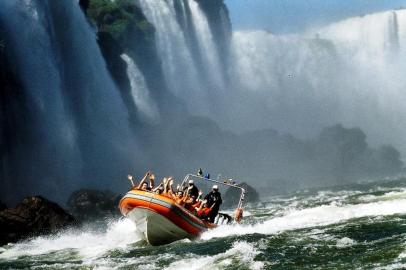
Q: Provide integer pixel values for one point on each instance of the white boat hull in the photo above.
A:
(156, 229)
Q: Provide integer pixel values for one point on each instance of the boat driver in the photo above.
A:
(214, 201)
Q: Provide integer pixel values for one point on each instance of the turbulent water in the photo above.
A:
(361, 226)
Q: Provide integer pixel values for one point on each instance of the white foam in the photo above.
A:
(88, 243)
(394, 266)
(387, 196)
(345, 242)
(311, 217)
(242, 251)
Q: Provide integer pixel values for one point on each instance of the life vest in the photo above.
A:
(204, 212)
(196, 205)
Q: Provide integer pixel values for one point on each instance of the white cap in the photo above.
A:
(191, 181)
(215, 187)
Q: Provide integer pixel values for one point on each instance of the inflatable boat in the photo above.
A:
(161, 220)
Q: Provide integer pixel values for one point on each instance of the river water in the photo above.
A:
(359, 226)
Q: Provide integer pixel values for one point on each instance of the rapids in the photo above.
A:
(359, 226)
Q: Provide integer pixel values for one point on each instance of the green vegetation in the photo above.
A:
(121, 19)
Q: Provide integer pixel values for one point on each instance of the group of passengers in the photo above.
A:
(187, 196)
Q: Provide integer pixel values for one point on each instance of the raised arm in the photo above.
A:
(130, 178)
(200, 195)
(160, 185)
(143, 179)
(170, 186)
(151, 180)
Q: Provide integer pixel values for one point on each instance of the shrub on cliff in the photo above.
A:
(121, 18)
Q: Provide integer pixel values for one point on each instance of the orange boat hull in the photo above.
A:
(160, 219)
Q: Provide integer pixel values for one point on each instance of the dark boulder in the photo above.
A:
(89, 204)
(232, 195)
(33, 216)
(2, 206)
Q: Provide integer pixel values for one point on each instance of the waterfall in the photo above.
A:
(50, 126)
(393, 35)
(349, 72)
(70, 120)
(140, 93)
(177, 62)
(206, 44)
(76, 121)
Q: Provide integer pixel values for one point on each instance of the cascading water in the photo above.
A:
(207, 46)
(177, 62)
(78, 122)
(349, 72)
(76, 125)
(297, 83)
(140, 92)
(29, 48)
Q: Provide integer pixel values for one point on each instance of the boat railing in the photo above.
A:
(193, 176)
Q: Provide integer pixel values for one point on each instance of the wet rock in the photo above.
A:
(2, 206)
(33, 216)
(232, 195)
(89, 204)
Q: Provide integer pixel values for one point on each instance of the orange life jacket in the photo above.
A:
(204, 212)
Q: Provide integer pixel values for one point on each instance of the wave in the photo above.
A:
(384, 197)
(312, 217)
(242, 253)
(88, 243)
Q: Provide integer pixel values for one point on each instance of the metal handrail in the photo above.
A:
(240, 202)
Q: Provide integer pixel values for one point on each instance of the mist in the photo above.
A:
(169, 86)
(348, 72)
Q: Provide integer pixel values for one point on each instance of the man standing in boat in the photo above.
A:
(213, 202)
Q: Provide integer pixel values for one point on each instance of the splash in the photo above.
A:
(88, 243)
(240, 255)
(313, 217)
(345, 242)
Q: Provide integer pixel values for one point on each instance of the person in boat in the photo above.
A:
(168, 187)
(191, 189)
(159, 189)
(200, 172)
(203, 211)
(214, 201)
(180, 197)
(143, 185)
(189, 202)
(196, 203)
